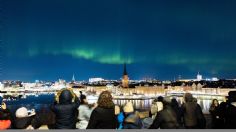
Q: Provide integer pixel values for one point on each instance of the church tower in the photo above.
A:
(125, 79)
(73, 78)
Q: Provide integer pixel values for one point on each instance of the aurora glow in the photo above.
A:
(157, 38)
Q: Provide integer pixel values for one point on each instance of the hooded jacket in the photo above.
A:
(65, 111)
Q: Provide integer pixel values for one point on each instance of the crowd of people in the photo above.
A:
(72, 112)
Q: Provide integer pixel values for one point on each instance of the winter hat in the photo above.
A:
(128, 108)
(23, 112)
(117, 110)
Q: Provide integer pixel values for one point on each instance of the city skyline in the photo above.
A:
(197, 77)
(48, 40)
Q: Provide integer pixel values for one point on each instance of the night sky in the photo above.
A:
(52, 39)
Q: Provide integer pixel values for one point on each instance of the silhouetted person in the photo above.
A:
(230, 114)
(66, 110)
(103, 116)
(5, 117)
(132, 119)
(217, 120)
(192, 113)
(84, 113)
(166, 118)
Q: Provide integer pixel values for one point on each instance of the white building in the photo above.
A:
(1, 85)
(199, 77)
(215, 79)
(92, 80)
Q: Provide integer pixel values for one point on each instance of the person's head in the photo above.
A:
(166, 101)
(173, 100)
(215, 102)
(105, 100)
(188, 97)
(24, 118)
(23, 112)
(232, 96)
(83, 99)
(128, 108)
(160, 98)
(80, 92)
(65, 96)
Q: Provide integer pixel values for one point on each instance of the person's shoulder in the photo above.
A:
(83, 107)
(97, 110)
(183, 105)
(198, 106)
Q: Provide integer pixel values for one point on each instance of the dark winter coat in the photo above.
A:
(230, 116)
(193, 116)
(165, 119)
(65, 111)
(217, 119)
(103, 118)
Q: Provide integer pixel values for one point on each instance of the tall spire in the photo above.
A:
(73, 78)
(125, 71)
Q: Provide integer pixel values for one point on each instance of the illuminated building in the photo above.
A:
(93, 80)
(199, 77)
(125, 79)
(73, 78)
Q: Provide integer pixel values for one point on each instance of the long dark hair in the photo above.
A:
(213, 104)
(212, 107)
